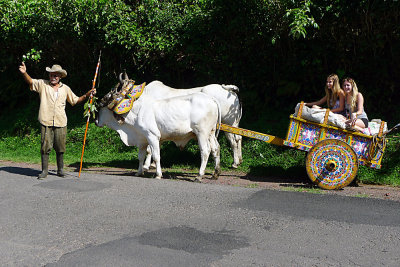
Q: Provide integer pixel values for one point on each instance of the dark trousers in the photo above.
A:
(53, 137)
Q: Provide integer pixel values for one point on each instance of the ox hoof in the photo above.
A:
(216, 174)
(152, 166)
(138, 174)
(234, 165)
(146, 169)
(198, 179)
(158, 177)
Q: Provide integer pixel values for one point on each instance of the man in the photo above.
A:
(52, 117)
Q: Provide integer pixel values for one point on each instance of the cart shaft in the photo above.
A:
(252, 134)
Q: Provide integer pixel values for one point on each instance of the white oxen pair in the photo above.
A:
(177, 119)
(226, 95)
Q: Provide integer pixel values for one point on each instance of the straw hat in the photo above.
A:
(58, 69)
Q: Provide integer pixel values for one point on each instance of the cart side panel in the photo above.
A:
(292, 130)
(308, 135)
(302, 135)
(335, 134)
(360, 145)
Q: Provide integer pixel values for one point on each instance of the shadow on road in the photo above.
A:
(21, 170)
(278, 174)
(273, 174)
(126, 164)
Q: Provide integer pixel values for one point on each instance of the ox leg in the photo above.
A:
(235, 149)
(239, 147)
(155, 151)
(141, 156)
(147, 161)
(204, 146)
(215, 150)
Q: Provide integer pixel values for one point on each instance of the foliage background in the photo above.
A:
(278, 52)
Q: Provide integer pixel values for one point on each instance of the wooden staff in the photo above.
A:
(87, 122)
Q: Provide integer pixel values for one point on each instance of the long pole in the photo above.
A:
(252, 134)
(87, 122)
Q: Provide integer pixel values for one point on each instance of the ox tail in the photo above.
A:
(219, 118)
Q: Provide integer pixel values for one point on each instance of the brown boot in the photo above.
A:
(60, 164)
(45, 166)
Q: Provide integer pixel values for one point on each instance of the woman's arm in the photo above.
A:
(319, 102)
(341, 103)
(360, 104)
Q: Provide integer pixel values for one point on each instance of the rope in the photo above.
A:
(378, 144)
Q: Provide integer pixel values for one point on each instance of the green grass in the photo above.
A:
(313, 190)
(362, 195)
(252, 185)
(105, 149)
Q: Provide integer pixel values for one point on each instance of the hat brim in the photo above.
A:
(62, 72)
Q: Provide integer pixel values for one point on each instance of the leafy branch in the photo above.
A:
(90, 108)
(33, 55)
(301, 20)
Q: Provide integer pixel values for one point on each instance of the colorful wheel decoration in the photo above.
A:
(331, 164)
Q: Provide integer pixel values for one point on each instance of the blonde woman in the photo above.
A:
(354, 105)
(334, 96)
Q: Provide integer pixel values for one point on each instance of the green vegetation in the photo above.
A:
(313, 190)
(361, 195)
(277, 52)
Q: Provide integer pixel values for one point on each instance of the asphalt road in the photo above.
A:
(114, 220)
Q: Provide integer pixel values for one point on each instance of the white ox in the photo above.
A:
(226, 95)
(176, 119)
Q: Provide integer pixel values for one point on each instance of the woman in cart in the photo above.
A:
(354, 106)
(334, 96)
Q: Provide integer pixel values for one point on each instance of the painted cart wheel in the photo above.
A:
(331, 164)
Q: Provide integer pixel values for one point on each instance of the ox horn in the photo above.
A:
(126, 76)
(120, 78)
(114, 90)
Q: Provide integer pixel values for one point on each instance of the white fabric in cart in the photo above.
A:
(318, 115)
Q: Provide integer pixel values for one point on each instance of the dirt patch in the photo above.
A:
(237, 178)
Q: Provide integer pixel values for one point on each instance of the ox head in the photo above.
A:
(103, 103)
(105, 117)
(123, 83)
(108, 97)
(106, 102)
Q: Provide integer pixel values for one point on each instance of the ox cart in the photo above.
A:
(334, 154)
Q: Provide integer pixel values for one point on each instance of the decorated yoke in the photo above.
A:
(123, 102)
